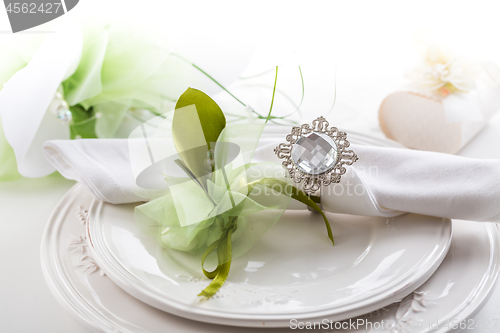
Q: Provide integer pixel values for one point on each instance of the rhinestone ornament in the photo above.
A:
(315, 155)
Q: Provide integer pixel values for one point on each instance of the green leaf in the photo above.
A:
(83, 123)
(194, 131)
(211, 117)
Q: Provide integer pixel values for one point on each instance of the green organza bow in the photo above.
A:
(224, 204)
(223, 244)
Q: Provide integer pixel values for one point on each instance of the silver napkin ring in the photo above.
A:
(315, 156)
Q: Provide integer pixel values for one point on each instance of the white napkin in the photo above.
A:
(102, 166)
(383, 182)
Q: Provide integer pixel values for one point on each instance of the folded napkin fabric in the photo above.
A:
(102, 166)
(383, 182)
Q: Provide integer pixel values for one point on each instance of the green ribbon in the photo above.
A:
(223, 244)
(295, 193)
(224, 256)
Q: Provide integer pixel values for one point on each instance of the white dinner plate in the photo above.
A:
(293, 271)
(452, 295)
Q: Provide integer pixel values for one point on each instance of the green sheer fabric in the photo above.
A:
(220, 209)
(220, 205)
(121, 69)
(256, 212)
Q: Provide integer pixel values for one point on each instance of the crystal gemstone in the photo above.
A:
(314, 153)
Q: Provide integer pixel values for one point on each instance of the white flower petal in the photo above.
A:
(34, 163)
(27, 95)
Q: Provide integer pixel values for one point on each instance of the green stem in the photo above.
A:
(83, 122)
(274, 92)
(257, 75)
(210, 77)
(297, 107)
(218, 83)
(278, 91)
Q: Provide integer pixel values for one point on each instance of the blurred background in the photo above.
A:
(365, 45)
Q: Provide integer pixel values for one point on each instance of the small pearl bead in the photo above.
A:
(64, 115)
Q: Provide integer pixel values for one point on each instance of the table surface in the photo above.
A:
(27, 304)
